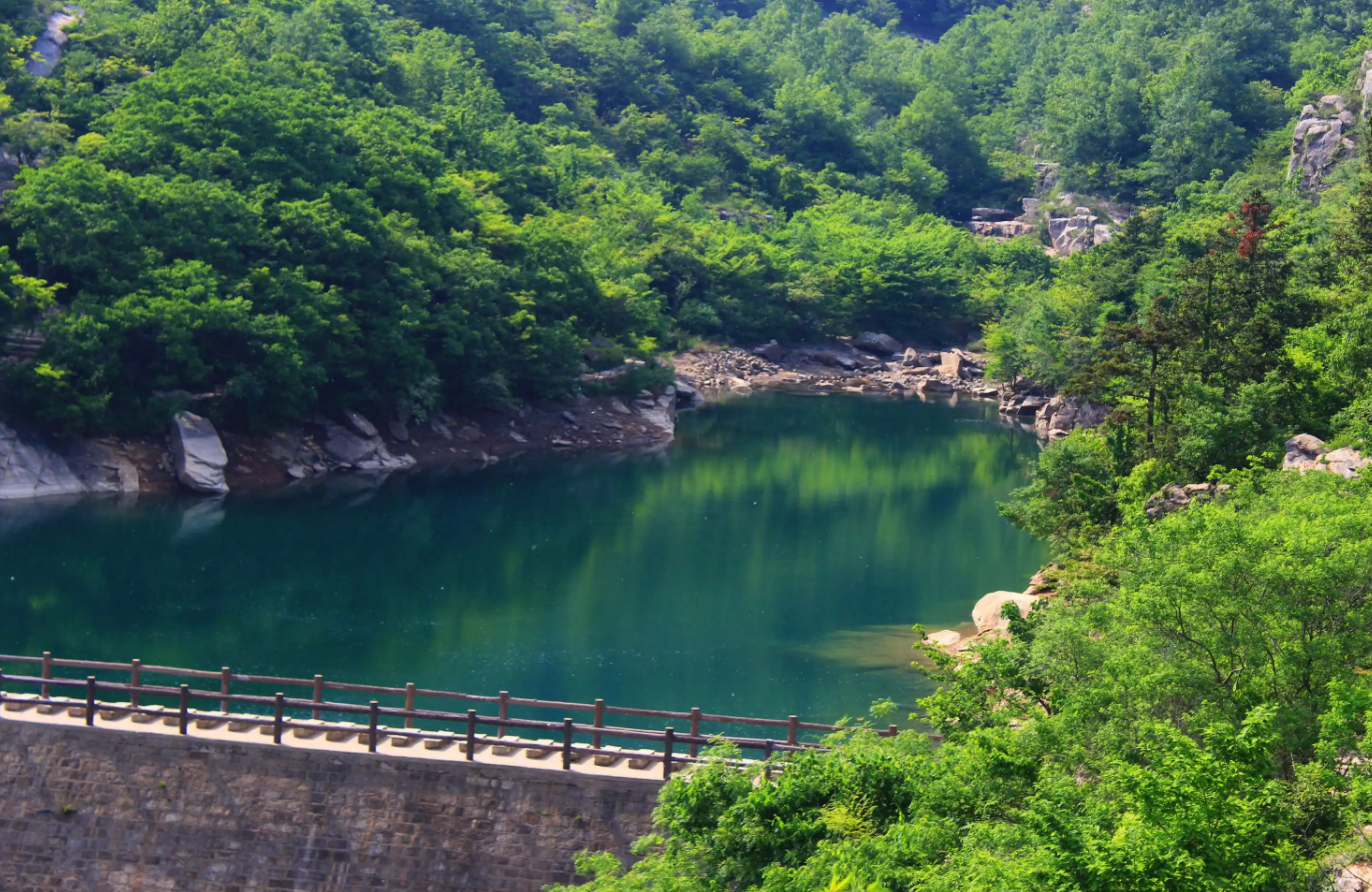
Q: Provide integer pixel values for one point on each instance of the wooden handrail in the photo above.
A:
(318, 685)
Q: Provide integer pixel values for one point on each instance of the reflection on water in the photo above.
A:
(722, 573)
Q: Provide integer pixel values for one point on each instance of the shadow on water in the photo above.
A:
(771, 562)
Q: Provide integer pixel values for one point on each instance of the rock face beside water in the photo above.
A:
(198, 455)
(30, 469)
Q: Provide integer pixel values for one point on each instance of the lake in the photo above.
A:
(769, 563)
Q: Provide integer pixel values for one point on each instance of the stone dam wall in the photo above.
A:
(94, 809)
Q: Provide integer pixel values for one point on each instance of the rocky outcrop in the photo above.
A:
(48, 46)
(1062, 415)
(1324, 136)
(1354, 877)
(1307, 453)
(1077, 232)
(1365, 85)
(1000, 228)
(880, 344)
(660, 411)
(198, 455)
(359, 446)
(31, 469)
(1175, 498)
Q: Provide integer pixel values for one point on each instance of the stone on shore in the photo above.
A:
(363, 453)
(987, 616)
(198, 454)
(947, 638)
(359, 423)
(875, 342)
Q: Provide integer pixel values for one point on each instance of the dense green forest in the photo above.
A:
(301, 204)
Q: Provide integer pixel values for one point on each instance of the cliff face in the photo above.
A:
(1324, 137)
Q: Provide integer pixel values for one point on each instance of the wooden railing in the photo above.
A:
(98, 695)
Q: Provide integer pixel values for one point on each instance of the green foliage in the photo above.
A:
(1071, 500)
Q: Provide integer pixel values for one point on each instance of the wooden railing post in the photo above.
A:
(667, 739)
(599, 721)
(224, 688)
(184, 719)
(892, 731)
(2, 688)
(471, 735)
(695, 728)
(318, 694)
(504, 711)
(792, 728)
(135, 680)
(409, 703)
(47, 673)
(767, 758)
(566, 744)
(278, 716)
(371, 731)
(90, 700)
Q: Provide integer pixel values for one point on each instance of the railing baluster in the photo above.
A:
(504, 711)
(184, 718)
(90, 700)
(318, 694)
(695, 728)
(471, 735)
(567, 744)
(371, 733)
(667, 739)
(135, 680)
(791, 730)
(409, 703)
(47, 673)
(278, 717)
(224, 689)
(599, 722)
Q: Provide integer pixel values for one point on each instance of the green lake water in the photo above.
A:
(769, 563)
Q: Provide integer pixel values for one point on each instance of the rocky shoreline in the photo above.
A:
(193, 456)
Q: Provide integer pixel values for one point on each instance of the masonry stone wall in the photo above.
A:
(102, 810)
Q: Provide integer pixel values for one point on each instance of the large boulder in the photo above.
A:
(198, 455)
(1324, 136)
(771, 351)
(987, 613)
(874, 342)
(953, 364)
(30, 469)
(360, 425)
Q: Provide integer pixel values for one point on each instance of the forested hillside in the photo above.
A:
(290, 205)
